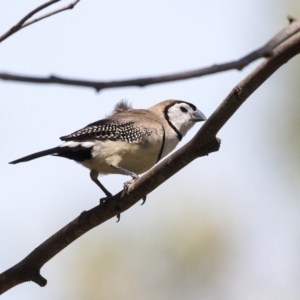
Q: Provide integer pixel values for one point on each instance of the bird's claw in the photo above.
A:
(144, 199)
(127, 184)
(118, 217)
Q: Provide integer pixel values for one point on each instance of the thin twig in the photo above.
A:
(18, 26)
(22, 23)
(264, 51)
(204, 142)
(69, 6)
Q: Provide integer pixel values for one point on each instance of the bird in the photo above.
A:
(128, 141)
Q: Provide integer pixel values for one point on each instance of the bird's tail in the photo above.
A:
(36, 155)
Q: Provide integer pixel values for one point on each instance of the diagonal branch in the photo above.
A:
(22, 23)
(203, 143)
(264, 51)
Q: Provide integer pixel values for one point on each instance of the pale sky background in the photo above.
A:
(225, 227)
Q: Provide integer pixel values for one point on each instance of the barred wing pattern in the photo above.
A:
(112, 130)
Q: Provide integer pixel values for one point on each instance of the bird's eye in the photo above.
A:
(183, 109)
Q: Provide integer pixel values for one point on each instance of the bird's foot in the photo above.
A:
(104, 199)
(127, 184)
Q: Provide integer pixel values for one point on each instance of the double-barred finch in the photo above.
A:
(129, 141)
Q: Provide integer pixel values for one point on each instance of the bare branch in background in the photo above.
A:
(69, 6)
(203, 143)
(22, 23)
(264, 51)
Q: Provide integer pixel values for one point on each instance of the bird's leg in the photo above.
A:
(94, 177)
(128, 183)
(126, 172)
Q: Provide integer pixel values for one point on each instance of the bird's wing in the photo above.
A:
(111, 129)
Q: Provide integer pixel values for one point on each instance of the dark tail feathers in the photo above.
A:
(36, 155)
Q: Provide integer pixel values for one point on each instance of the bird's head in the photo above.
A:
(181, 115)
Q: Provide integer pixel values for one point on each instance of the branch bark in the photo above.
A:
(264, 51)
(22, 23)
(203, 143)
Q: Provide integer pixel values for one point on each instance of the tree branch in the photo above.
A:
(203, 143)
(264, 51)
(22, 23)
(67, 7)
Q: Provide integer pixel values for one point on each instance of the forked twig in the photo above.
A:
(68, 6)
(24, 21)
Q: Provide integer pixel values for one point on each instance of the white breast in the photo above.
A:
(137, 158)
(170, 145)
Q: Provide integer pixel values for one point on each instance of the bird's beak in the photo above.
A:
(198, 116)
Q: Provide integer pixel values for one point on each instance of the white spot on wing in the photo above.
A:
(70, 144)
(87, 144)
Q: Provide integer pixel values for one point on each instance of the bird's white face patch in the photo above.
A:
(180, 115)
